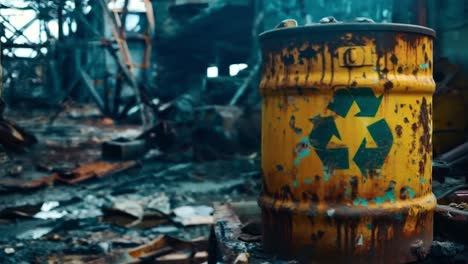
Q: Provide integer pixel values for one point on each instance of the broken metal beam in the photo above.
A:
(88, 82)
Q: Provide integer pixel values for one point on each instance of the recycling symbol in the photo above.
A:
(325, 128)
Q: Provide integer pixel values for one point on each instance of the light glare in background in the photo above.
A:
(234, 69)
(212, 72)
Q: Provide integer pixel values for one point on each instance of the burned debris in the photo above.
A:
(175, 131)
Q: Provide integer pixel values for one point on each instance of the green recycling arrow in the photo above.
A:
(364, 97)
(324, 129)
(341, 102)
(373, 158)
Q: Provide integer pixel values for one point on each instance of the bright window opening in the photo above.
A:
(212, 72)
(234, 69)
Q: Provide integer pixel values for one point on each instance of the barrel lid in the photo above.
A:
(347, 27)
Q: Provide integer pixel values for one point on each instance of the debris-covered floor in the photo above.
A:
(61, 202)
(96, 214)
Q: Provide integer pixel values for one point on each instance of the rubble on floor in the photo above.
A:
(65, 200)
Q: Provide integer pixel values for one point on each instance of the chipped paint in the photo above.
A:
(348, 192)
(370, 220)
(410, 192)
(295, 184)
(379, 200)
(360, 240)
(302, 154)
(360, 201)
(326, 174)
(389, 196)
(424, 66)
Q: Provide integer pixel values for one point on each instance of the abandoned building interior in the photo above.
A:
(233, 131)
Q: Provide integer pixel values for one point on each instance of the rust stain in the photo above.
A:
(421, 167)
(399, 130)
(351, 217)
(292, 125)
(388, 85)
(424, 121)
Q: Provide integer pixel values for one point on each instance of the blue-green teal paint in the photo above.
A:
(360, 241)
(390, 195)
(294, 183)
(304, 153)
(326, 174)
(308, 180)
(369, 226)
(379, 200)
(422, 180)
(360, 201)
(424, 66)
(347, 192)
(410, 192)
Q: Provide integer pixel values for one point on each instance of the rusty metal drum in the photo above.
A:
(346, 142)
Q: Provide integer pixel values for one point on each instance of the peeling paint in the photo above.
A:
(348, 192)
(360, 240)
(302, 154)
(355, 204)
(294, 183)
(360, 201)
(326, 174)
(410, 192)
(389, 196)
(379, 200)
(424, 66)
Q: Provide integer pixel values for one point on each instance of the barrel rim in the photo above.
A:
(355, 27)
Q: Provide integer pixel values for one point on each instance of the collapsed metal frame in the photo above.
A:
(71, 51)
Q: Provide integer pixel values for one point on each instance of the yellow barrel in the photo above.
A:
(346, 142)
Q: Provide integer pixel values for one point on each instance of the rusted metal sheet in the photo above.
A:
(164, 246)
(95, 169)
(85, 172)
(346, 142)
